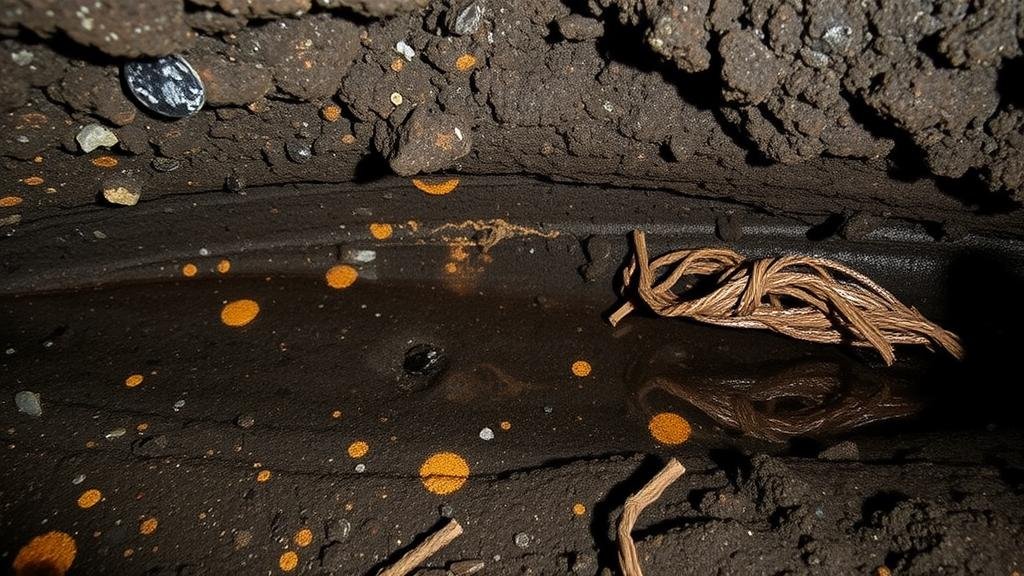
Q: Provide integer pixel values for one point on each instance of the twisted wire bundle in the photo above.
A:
(802, 297)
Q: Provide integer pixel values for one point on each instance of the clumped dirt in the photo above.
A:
(894, 109)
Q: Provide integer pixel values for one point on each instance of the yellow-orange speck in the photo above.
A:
(142, 427)
(239, 313)
(288, 561)
(133, 380)
(224, 266)
(89, 498)
(303, 538)
(579, 509)
(263, 476)
(148, 526)
(33, 181)
(397, 64)
(381, 231)
(669, 428)
(104, 162)
(883, 571)
(436, 188)
(189, 270)
(444, 473)
(505, 425)
(330, 112)
(581, 368)
(341, 276)
(336, 414)
(51, 553)
(10, 201)
(358, 449)
(465, 62)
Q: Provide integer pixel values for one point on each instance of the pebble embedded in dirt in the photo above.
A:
(428, 141)
(167, 86)
(28, 403)
(122, 192)
(161, 164)
(115, 433)
(486, 434)
(245, 421)
(729, 228)
(96, 90)
(93, 136)
(846, 450)
(466, 567)
(298, 152)
(522, 540)
(464, 18)
(578, 27)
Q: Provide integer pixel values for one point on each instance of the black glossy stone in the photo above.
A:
(167, 86)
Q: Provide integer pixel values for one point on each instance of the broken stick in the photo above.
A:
(413, 558)
(629, 563)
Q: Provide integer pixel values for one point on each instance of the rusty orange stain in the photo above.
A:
(148, 526)
(579, 509)
(330, 112)
(224, 266)
(239, 313)
(288, 561)
(189, 270)
(358, 449)
(33, 180)
(89, 498)
(505, 425)
(444, 472)
(341, 276)
(10, 201)
(436, 188)
(133, 380)
(669, 428)
(465, 62)
(303, 538)
(336, 414)
(397, 64)
(263, 475)
(52, 553)
(451, 268)
(581, 368)
(381, 231)
(104, 161)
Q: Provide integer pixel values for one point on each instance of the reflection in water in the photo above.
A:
(776, 400)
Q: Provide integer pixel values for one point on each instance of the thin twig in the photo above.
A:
(629, 562)
(413, 558)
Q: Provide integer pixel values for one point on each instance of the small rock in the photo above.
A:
(548, 409)
(465, 20)
(28, 403)
(122, 192)
(179, 405)
(234, 183)
(22, 57)
(429, 140)
(161, 164)
(115, 433)
(298, 152)
(446, 510)
(580, 563)
(405, 50)
(245, 421)
(360, 468)
(94, 136)
(338, 530)
(486, 434)
(78, 479)
(464, 567)
(728, 228)
(522, 540)
(168, 86)
(846, 450)
(578, 27)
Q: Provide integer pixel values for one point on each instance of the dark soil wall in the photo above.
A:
(892, 108)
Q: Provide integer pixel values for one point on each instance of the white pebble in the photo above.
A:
(487, 434)
(405, 50)
(396, 98)
(360, 468)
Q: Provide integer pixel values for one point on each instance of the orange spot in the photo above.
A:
(104, 161)
(465, 62)
(289, 560)
(884, 571)
(579, 509)
(436, 188)
(451, 268)
(444, 473)
(341, 276)
(330, 112)
(358, 449)
(89, 498)
(142, 427)
(397, 64)
(348, 139)
(148, 526)
(133, 380)
(336, 414)
(189, 270)
(669, 428)
(51, 553)
(381, 231)
(581, 368)
(224, 266)
(10, 201)
(506, 425)
(239, 313)
(33, 180)
(263, 476)
(303, 538)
